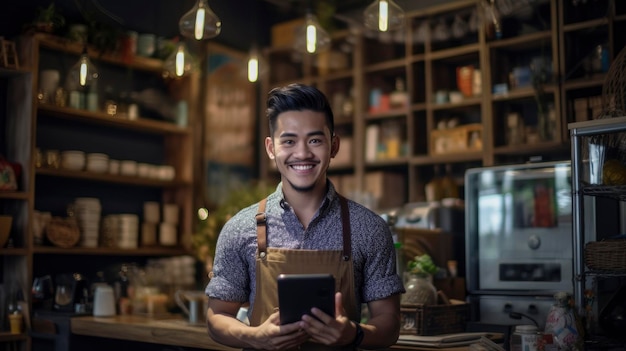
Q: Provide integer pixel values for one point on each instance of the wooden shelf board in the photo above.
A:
(66, 45)
(423, 160)
(586, 82)
(524, 149)
(393, 113)
(522, 42)
(585, 24)
(140, 124)
(454, 53)
(14, 195)
(398, 161)
(387, 65)
(106, 251)
(110, 178)
(6, 336)
(18, 251)
(470, 101)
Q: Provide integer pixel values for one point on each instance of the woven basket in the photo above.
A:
(63, 232)
(606, 255)
(429, 320)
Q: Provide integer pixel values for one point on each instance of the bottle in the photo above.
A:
(433, 188)
(449, 188)
(524, 338)
(398, 98)
(562, 324)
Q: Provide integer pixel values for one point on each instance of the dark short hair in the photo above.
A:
(297, 97)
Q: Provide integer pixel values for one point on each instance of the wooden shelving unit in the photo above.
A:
(429, 66)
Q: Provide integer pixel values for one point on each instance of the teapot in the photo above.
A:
(194, 305)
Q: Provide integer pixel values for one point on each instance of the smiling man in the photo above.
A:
(305, 226)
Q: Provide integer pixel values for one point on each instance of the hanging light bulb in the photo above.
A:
(83, 73)
(200, 22)
(383, 15)
(311, 37)
(253, 65)
(179, 62)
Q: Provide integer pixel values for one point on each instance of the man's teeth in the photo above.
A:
(302, 167)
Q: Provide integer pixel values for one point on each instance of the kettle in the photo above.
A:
(194, 305)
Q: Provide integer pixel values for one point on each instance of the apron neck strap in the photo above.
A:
(261, 228)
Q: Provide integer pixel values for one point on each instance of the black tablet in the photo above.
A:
(298, 293)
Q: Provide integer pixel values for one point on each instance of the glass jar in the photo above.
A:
(419, 290)
(524, 338)
(561, 323)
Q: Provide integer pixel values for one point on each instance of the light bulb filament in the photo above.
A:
(253, 69)
(383, 15)
(311, 38)
(180, 62)
(199, 28)
(83, 72)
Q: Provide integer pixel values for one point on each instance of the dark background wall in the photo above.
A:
(239, 17)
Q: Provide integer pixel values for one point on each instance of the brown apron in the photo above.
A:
(271, 262)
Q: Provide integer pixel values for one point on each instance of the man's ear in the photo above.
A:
(269, 147)
(334, 148)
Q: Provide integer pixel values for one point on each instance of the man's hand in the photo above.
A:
(329, 330)
(272, 336)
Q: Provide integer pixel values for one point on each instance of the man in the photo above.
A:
(304, 227)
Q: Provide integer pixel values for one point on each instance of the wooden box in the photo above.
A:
(465, 138)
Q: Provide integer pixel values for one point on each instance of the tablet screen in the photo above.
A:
(298, 293)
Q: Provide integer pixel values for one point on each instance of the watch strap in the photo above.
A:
(358, 338)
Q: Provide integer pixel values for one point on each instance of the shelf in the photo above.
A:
(107, 251)
(522, 42)
(387, 65)
(617, 192)
(13, 252)
(470, 101)
(454, 53)
(65, 45)
(394, 113)
(8, 337)
(14, 195)
(111, 178)
(585, 24)
(539, 148)
(447, 158)
(101, 118)
(596, 80)
(522, 93)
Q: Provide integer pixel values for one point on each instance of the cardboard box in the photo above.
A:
(284, 33)
(387, 188)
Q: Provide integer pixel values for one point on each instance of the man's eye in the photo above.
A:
(315, 141)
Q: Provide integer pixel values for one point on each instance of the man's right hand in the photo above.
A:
(272, 336)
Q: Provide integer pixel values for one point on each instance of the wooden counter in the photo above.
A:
(174, 331)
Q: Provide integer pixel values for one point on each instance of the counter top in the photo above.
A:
(173, 331)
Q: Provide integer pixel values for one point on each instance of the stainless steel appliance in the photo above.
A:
(518, 227)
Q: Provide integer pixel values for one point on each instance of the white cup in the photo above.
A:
(146, 44)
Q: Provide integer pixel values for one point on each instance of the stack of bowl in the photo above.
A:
(97, 163)
(87, 211)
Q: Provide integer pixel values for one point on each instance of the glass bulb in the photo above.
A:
(311, 37)
(83, 74)
(200, 22)
(383, 15)
(253, 65)
(179, 62)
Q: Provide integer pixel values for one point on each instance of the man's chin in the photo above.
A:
(302, 188)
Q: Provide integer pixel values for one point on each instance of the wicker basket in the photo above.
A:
(606, 255)
(428, 320)
(63, 232)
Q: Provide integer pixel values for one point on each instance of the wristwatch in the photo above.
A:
(358, 338)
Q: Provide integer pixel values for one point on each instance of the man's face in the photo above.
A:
(302, 148)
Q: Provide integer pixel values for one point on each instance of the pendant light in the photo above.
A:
(179, 63)
(253, 64)
(311, 37)
(383, 15)
(83, 74)
(200, 22)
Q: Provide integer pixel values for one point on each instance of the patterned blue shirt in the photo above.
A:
(373, 252)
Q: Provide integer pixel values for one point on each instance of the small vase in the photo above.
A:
(419, 290)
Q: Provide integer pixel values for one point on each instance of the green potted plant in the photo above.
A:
(48, 19)
(209, 227)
